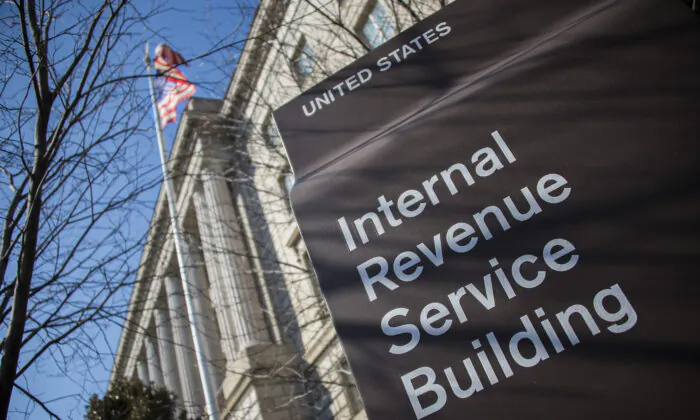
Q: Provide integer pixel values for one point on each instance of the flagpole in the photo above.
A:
(181, 249)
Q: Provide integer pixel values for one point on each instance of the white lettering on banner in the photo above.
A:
(440, 320)
(425, 381)
(363, 76)
(408, 265)
(429, 388)
(414, 46)
(484, 163)
(348, 85)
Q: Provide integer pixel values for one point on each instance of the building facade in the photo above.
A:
(267, 338)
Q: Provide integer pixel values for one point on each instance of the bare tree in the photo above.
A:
(70, 122)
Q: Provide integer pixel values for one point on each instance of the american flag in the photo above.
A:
(173, 86)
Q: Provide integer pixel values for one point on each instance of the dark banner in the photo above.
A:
(501, 205)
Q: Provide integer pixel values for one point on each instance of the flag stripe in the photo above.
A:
(173, 85)
(176, 95)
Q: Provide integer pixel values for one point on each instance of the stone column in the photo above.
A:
(232, 264)
(211, 347)
(190, 384)
(142, 371)
(219, 294)
(166, 351)
(154, 372)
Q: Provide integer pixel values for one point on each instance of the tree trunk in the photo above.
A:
(15, 332)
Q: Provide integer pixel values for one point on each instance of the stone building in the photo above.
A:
(268, 342)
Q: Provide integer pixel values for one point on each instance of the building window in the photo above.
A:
(304, 261)
(323, 314)
(352, 395)
(288, 180)
(379, 26)
(270, 133)
(318, 396)
(303, 62)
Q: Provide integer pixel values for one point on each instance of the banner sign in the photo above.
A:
(502, 207)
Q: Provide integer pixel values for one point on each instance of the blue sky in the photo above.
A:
(191, 28)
